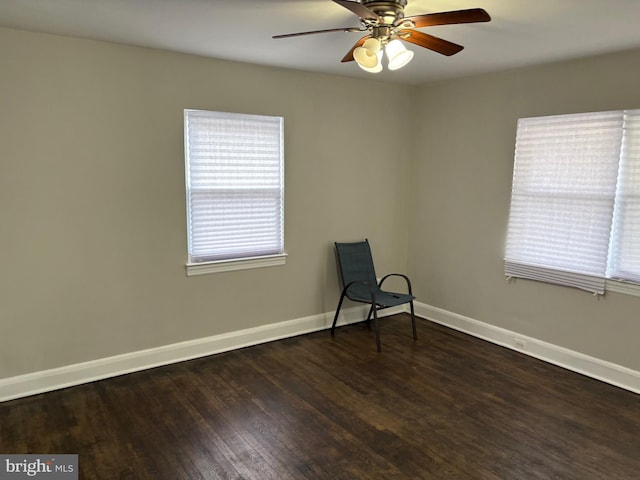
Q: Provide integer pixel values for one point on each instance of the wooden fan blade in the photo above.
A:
(349, 56)
(425, 40)
(357, 8)
(287, 35)
(472, 15)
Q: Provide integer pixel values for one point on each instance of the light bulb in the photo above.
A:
(398, 55)
(367, 55)
(377, 68)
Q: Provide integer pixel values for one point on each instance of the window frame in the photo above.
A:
(206, 263)
(537, 139)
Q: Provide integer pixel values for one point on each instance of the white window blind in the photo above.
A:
(235, 185)
(564, 190)
(624, 258)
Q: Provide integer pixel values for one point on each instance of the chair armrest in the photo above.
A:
(372, 290)
(409, 289)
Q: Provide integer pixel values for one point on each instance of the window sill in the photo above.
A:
(205, 268)
(627, 288)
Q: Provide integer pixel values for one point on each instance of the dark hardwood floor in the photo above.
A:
(312, 407)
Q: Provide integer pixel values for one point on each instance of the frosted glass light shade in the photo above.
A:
(367, 55)
(398, 55)
(377, 68)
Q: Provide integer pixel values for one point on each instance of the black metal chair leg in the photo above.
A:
(335, 319)
(369, 316)
(413, 322)
(377, 329)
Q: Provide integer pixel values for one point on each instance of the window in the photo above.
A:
(575, 205)
(235, 190)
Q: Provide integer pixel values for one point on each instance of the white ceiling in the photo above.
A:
(521, 32)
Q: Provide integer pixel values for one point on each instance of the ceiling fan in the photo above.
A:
(386, 25)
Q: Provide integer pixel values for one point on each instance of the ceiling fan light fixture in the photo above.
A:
(386, 25)
(367, 56)
(398, 55)
(377, 68)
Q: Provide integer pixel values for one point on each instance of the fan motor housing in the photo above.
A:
(388, 11)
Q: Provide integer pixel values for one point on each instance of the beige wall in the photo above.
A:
(92, 207)
(461, 183)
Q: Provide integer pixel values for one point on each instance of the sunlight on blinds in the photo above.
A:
(564, 187)
(235, 185)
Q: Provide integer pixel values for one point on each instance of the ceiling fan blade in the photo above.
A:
(349, 56)
(472, 15)
(351, 29)
(357, 8)
(425, 40)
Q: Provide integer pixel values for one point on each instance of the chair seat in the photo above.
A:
(388, 299)
(360, 293)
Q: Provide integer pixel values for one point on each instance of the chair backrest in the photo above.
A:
(356, 263)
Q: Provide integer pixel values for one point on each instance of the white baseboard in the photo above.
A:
(592, 367)
(57, 378)
(67, 376)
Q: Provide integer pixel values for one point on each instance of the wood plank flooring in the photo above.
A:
(448, 406)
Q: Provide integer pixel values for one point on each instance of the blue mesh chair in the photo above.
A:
(359, 283)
